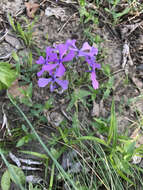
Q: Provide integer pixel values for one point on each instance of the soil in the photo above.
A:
(57, 22)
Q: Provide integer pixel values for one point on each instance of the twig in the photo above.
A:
(66, 22)
(2, 38)
(114, 73)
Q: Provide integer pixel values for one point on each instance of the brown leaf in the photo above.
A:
(14, 89)
(95, 110)
(138, 137)
(134, 135)
(31, 9)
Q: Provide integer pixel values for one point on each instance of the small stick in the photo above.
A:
(67, 22)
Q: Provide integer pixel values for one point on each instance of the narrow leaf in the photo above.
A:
(91, 138)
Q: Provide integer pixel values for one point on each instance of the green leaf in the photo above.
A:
(52, 177)
(125, 11)
(7, 74)
(125, 177)
(30, 59)
(78, 95)
(106, 69)
(11, 22)
(82, 93)
(43, 156)
(19, 175)
(49, 103)
(108, 10)
(22, 33)
(5, 181)
(129, 149)
(91, 138)
(55, 153)
(22, 141)
(2, 86)
(15, 56)
(29, 91)
(72, 102)
(63, 135)
(75, 123)
(109, 86)
(112, 134)
(121, 166)
(30, 186)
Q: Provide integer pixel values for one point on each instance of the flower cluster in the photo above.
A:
(57, 55)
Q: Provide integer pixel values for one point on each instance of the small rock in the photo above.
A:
(136, 159)
(56, 118)
(13, 41)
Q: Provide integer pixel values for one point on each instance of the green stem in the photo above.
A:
(43, 145)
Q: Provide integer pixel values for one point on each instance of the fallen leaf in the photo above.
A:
(57, 12)
(138, 137)
(14, 90)
(31, 9)
(95, 110)
(134, 135)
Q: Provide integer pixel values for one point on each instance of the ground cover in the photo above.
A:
(71, 97)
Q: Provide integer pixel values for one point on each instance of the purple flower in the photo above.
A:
(95, 83)
(42, 82)
(92, 63)
(60, 54)
(65, 55)
(50, 56)
(86, 49)
(41, 60)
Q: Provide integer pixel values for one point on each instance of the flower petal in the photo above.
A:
(86, 47)
(97, 65)
(49, 67)
(48, 50)
(62, 48)
(40, 73)
(52, 87)
(84, 51)
(60, 71)
(62, 83)
(42, 82)
(69, 56)
(92, 63)
(53, 57)
(41, 60)
(87, 50)
(94, 51)
(71, 43)
(95, 83)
